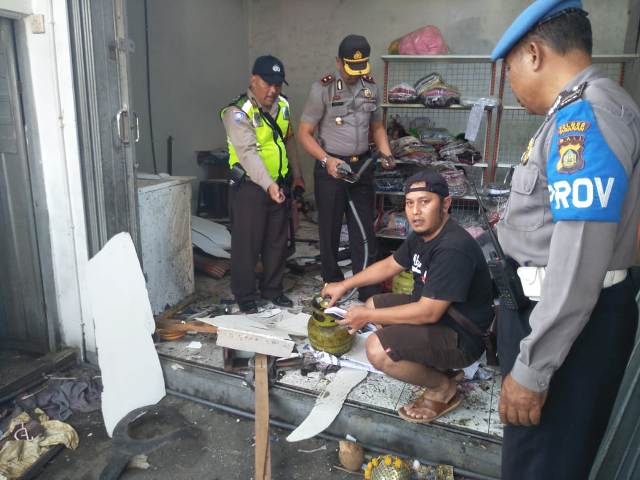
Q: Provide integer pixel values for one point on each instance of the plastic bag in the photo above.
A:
(425, 41)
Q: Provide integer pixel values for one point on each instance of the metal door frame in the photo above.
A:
(36, 180)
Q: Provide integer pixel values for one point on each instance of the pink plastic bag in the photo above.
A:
(424, 41)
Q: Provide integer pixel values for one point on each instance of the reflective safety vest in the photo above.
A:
(270, 143)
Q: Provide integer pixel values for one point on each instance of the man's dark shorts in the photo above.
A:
(432, 345)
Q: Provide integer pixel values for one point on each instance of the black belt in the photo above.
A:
(351, 158)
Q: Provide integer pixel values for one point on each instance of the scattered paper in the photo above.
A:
(340, 312)
(328, 404)
(195, 345)
(314, 450)
(355, 358)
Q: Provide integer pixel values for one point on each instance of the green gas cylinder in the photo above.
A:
(402, 283)
(324, 333)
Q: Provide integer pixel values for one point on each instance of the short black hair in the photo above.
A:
(568, 30)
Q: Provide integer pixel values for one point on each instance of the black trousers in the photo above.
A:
(258, 228)
(581, 392)
(332, 197)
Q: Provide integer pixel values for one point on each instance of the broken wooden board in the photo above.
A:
(192, 326)
(328, 404)
(130, 368)
(242, 332)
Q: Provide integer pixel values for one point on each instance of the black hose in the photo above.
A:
(146, 46)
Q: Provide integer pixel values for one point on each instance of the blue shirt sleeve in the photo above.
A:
(586, 180)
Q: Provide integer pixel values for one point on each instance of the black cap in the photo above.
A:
(354, 51)
(270, 69)
(434, 182)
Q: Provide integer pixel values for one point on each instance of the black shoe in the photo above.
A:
(282, 301)
(248, 306)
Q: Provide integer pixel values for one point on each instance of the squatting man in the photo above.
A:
(419, 338)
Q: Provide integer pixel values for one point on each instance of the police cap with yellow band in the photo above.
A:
(538, 12)
(354, 52)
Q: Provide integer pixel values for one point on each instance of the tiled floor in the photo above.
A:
(478, 411)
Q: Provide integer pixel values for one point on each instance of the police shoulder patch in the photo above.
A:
(368, 78)
(586, 180)
(239, 117)
(326, 80)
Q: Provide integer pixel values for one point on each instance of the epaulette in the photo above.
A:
(326, 80)
(368, 78)
(238, 101)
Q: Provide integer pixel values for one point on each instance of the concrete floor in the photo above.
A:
(223, 450)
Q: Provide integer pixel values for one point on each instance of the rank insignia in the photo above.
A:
(571, 154)
(367, 93)
(525, 156)
(339, 84)
(338, 120)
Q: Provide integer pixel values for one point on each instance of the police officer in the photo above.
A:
(342, 111)
(262, 149)
(570, 224)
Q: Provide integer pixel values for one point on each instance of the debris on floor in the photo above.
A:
(28, 438)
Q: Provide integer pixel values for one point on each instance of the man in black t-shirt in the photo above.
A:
(420, 340)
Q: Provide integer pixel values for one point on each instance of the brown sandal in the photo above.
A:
(440, 409)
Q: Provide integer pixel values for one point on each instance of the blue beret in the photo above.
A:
(536, 12)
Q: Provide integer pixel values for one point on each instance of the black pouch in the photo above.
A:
(237, 175)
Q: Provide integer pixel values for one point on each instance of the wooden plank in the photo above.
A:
(192, 326)
(263, 450)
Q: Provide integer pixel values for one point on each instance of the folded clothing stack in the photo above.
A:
(402, 93)
(411, 150)
(438, 137)
(455, 178)
(433, 92)
(460, 151)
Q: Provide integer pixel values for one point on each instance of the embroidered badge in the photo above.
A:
(367, 93)
(276, 68)
(571, 154)
(357, 55)
(525, 156)
(238, 117)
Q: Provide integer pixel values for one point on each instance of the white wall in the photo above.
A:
(305, 34)
(198, 63)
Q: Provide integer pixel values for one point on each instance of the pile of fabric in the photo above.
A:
(460, 151)
(402, 93)
(433, 92)
(409, 149)
(456, 179)
(437, 137)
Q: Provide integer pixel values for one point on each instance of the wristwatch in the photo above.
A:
(323, 161)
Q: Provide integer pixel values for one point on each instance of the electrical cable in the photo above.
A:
(146, 46)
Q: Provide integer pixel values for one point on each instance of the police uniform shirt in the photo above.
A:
(243, 137)
(574, 209)
(342, 114)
